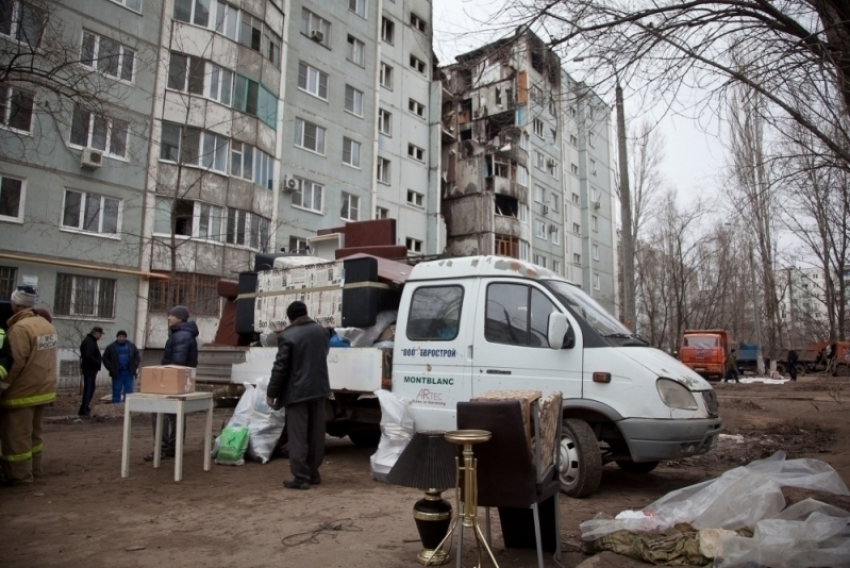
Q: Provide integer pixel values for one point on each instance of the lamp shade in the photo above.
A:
(428, 461)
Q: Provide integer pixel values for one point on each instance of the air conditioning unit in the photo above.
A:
(552, 228)
(545, 209)
(91, 159)
(317, 35)
(550, 163)
(597, 204)
(289, 184)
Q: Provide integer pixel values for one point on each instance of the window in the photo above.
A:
(413, 245)
(12, 192)
(247, 229)
(298, 244)
(536, 94)
(188, 219)
(593, 167)
(308, 196)
(251, 33)
(382, 213)
(554, 202)
(573, 140)
(226, 20)
(417, 22)
(595, 281)
(538, 193)
(387, 30)
(107, 56)
(198, 292)
(591, 139)
(383, 170)
(385, 122)
(522, 176)
(538, 127)
(576, 259)
(217, 15)
(22, 21)
(416, 152)
(313, 81)
(253, 98)
(540, 260)
(539, 229)
(576, 228)
(556, 266)
(576, 198)
(595, 250)
(8, 280)
(594, 223)
(251, 163)
(523, 141)
(591, 112)
(309, 136)
(106, 134)
(523, 213)
(574, 169)
(415, 198)
(417, 64)
(16, 108)
(501, 169)
(135, 5)
(572, 111)
(310, 23)
(353, 100)
(553, 135)
(416, 108)
(552, 168)
(435, 313)
(358, 7)
(386, 76)
(196, 76)
(517, 315)
(524, 250)
(354, 51)
(350, 210)
(270, 47)
(195, 147)
(555, 234)
(84, 296)
(90, 213)
(351, 152)
(539, 160)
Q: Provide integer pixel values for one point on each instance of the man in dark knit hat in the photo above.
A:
(90, 364)
(300, 383)
(121, 358)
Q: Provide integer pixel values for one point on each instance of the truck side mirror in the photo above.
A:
(559, 326)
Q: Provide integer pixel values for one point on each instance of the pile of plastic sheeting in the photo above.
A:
(749, 499)
(396, 431)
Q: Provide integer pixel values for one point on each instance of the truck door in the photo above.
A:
(511, 346)
(431, 361)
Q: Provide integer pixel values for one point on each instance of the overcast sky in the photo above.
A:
(693, 157)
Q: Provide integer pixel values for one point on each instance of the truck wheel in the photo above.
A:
(780, 368)
(636, 467)
(365, 438)
(580, 469)
(842, 371)
(801, 369)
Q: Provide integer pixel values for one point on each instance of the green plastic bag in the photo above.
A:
(232, 444)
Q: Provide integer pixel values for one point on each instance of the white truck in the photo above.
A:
(474, 324)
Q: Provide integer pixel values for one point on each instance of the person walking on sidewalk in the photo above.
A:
(121, 358)
(180, 349)
(29, 382)
(792, 364)
(300, 383)
(732, 368)
(90, 364)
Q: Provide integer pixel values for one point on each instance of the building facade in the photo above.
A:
(526, 164)
(184, 136)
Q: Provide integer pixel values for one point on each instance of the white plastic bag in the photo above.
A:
(265, 424)
(396, 431)
(366, 336)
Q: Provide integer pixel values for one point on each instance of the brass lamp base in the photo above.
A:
(432, 557)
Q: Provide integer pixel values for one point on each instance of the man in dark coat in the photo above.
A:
(121, 358)
(90, 363)
(792, 364)
(180, 349)
(300, 383)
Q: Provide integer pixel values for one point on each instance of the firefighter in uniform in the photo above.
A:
(29, 384)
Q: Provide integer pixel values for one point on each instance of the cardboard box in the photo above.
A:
(167, 379)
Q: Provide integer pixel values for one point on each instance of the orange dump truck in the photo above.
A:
(704, 351)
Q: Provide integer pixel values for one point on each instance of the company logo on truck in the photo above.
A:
(427, 396)
(429, 381)
(417, 352)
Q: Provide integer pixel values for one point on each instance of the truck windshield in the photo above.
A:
(600, 320)
(701, 341)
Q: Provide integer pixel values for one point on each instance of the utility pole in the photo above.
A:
(756, 323)
(628, 313)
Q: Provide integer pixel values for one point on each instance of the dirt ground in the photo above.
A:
(83, 514)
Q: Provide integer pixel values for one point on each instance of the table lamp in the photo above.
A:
(428, 463)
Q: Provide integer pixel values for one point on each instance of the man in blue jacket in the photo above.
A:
(300, 383)
(180, 349)
(121, 358)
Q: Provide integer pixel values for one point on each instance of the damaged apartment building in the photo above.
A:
(526, 163)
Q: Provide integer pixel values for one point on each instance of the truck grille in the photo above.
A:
(710, 398)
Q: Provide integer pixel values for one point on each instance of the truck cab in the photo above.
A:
(475, 324)
(705, 351)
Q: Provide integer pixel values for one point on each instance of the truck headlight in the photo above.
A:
(675, 395)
